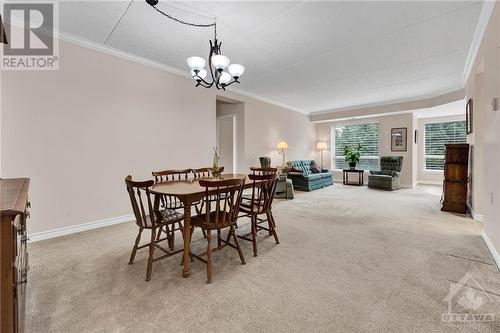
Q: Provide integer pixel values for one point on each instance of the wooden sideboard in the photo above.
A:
(13, 253)
(455, 184)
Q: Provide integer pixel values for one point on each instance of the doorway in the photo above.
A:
(226, 142)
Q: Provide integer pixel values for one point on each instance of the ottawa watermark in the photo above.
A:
(30, 36)
(467, 305)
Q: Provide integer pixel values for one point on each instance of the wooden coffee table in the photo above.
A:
(345, 177)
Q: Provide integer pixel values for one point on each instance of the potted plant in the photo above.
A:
(352, 155)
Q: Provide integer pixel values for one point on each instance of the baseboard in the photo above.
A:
(406, 186)
(475, 216)
(491, 248)
(38, 236)
(430, 182)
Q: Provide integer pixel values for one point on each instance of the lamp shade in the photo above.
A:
(282, 145)
(236, 70)
(220, 62)
(321, 146)
(225, 77)
(196, 63)
(201, 74)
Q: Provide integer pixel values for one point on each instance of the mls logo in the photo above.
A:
(29, 36)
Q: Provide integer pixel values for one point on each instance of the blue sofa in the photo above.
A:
(304, 179)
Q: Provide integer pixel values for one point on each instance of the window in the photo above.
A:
(436, 136)
(366, 135)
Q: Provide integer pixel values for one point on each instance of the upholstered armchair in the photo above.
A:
(388, 178)
(284, 187)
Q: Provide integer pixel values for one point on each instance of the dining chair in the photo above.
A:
(147, 218)
(260, 203)
(170, 201)
(222, 202)
(204, 172)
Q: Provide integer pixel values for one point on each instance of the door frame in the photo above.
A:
(234, 117)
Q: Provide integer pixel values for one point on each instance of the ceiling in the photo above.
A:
(309, 55)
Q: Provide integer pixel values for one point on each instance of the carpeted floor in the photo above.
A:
(350, 260)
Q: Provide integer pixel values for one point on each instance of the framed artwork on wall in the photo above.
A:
(468, 116)
(399, 137)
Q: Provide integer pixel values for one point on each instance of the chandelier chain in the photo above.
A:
(208, 25)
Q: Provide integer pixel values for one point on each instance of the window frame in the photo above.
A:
(332, 140)
(423, 129)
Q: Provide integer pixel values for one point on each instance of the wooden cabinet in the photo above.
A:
(456, 178)
(13, 253)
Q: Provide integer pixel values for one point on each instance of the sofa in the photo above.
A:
(303, 177)
(388, 178)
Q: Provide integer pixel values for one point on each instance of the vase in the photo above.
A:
(215, 165)
(352, 165)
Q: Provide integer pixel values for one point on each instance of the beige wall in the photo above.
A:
(77, 132)
(386, 123)
(482, 86)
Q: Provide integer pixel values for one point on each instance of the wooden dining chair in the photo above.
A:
(260, 203)
(222, 202)
(204, 172)
(170, 201)
(147, 218)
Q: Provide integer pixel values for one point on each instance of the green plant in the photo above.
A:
(352, 155)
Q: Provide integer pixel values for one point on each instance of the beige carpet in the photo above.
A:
(350, 260)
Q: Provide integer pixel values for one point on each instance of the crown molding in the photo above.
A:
(484, 19)
(157, 65)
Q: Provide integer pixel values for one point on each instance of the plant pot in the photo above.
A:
(352, 165)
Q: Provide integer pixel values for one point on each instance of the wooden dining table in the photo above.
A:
(188, 192)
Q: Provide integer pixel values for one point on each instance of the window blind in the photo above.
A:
(436, 136)
(352, 135)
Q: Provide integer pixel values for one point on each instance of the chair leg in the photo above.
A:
(269, 223)
(219, 240)
(272, 227)
(272, 218)
(204, 233)
(237, 243)
(151, 252)
(254, 234)
(209, 256)
(159, 233)
(136, 245)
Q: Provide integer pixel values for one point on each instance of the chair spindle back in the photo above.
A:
(222, 200)
(204, 172)
(139, 192)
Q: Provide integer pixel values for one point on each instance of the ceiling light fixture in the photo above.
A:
(222, 72)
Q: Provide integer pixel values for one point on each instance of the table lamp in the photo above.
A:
(321, 146)
(282, 146)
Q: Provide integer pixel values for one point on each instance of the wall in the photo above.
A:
(386, 123)
(77, 132)
(482, 86)
(265, 125)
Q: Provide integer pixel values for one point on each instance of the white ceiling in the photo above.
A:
(309, 55)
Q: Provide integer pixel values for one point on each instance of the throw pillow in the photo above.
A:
(315, 168)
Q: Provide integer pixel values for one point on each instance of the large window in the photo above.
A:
(366, 135)
(436, 136)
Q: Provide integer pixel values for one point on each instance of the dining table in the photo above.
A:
(189, 192)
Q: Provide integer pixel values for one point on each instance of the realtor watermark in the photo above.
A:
(30, 31)
(467, 302)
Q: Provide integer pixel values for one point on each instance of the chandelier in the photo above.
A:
(222, 72)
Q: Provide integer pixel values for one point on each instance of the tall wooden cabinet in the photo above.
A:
(456, 178)
(13, 253)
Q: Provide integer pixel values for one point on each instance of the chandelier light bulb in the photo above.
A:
(236, 70)
(196, 63)
(225, 77)
(201, 74)
(219, 61)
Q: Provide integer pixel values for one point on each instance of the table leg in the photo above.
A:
(187, 239)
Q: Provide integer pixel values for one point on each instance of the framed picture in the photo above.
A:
(468, 116)
(399, 137)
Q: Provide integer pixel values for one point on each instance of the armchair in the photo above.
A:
(284, 187)
(388, 178)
